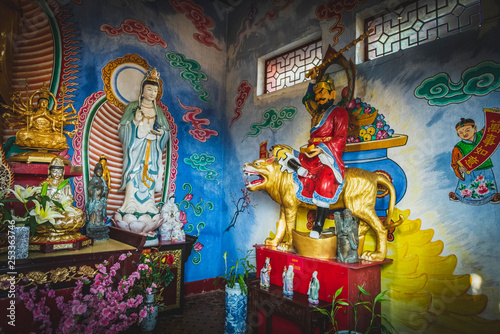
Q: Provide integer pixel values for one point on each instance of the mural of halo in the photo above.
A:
(125, 82)
(122, 79)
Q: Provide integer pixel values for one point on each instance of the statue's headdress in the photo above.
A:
(325, 82)
(57, 162)
(464, 122)
(44, 93)
(152, 77)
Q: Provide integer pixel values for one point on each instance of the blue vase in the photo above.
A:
(236, 310)
(148, 324)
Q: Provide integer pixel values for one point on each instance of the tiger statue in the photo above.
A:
(358, 195)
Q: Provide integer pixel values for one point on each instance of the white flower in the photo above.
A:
(23, 193)
(43, 215)
(67, 203)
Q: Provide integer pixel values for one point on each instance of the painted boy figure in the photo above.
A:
(477, 187)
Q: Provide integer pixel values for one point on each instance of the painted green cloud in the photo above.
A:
(479, 80)
(272, 119)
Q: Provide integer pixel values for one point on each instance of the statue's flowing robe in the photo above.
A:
(326, 170)
(142, 161)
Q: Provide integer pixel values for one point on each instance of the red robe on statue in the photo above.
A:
(326, 171)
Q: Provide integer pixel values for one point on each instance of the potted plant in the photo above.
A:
(337, 304)
(153, 275)
(385, 324)
(236, 292)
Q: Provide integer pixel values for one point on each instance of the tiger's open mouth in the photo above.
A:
(252, 178)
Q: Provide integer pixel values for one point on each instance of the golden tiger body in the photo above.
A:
(359, 195)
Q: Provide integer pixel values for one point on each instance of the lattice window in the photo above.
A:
(419, 22)
(290, 68)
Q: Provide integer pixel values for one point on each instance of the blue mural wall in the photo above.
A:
(444, 276)
(89, 45)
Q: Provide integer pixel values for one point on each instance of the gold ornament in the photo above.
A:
(41, 128)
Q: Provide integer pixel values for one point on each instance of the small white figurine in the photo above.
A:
(171, 229)
(178, 233)
(313, 291)
(265, 274)
(288, 281)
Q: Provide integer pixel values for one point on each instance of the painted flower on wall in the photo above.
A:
(477, 189)
(198, 246)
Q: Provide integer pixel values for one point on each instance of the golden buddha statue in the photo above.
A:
(40, 127)
(66, 227)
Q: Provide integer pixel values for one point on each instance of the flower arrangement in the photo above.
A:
(95, 306)
(154, 274)
(103, 304)
(39, 208)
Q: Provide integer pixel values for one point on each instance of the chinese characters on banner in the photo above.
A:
(488, 143)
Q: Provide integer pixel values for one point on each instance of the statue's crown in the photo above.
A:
(153, 75)
(325, 82)
(57, 162)
(44, 93)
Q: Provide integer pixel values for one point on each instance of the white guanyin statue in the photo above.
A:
(144, 133)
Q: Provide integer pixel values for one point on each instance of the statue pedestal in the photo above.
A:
(332, 275)
(48, 247)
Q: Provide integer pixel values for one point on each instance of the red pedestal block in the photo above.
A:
(332, 275)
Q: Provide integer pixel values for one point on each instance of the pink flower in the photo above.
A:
(106, 312)
(143, 266)
(380, 125)
(466, 193)
(79, 309)
(154, 286)
(188, 197)
(480, 178)
(198, 246)
(122, 257)
(104, 322)
(482, 189)
(183, 217)
(381, 134)
(149, 290)
(143, 313)
(130, 302)
(102, 268)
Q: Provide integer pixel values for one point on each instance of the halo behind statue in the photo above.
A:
(122, 80)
